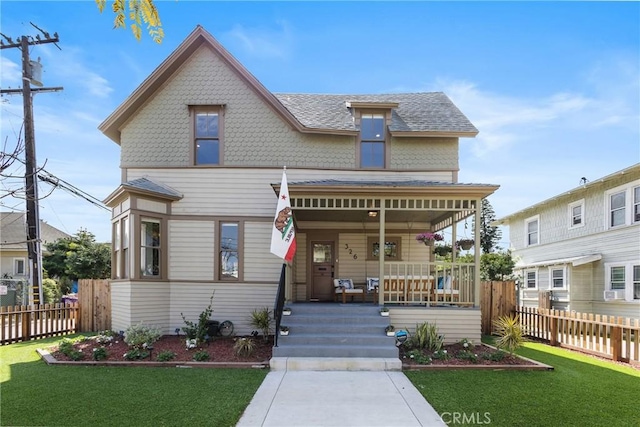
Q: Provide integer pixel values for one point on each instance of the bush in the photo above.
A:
(140, 335)
(198, 331)
(261, 319)
(441, 355)
(99, 353)
(426, 337)
(419, 357)
(136, 354)
(201, 356)
(510, 333)
(495, 356)
(51, 291)
(244, 347)
(165, 356)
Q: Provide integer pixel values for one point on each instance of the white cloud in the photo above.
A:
(263, 42)
(10, 73)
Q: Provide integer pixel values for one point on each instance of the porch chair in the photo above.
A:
(372, 286)
(444, 291)
(345, 287)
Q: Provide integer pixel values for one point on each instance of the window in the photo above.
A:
(19, 267)
(576, 212)
(558, 277)
(531, 279)
(125, 247)
(624, 278)
(207, 133)
(121, 262)
(623, 205)
(372, 141)
(532, 230)
(392, 248)
(117, 252)
(150, 247)
(228, 251)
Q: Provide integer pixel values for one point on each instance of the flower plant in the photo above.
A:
(429, 237)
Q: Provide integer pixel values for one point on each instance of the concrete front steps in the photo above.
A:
(333, 336)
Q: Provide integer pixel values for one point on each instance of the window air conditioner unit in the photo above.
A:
(611, 295)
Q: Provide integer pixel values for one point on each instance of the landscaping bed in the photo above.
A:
(219, 351)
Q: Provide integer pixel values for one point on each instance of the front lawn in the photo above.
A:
(33, 393)
(580, 391)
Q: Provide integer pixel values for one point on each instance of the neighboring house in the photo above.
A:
(583, 246)
(14, 259)
(203, 144)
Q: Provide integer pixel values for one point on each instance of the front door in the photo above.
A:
(322, 271)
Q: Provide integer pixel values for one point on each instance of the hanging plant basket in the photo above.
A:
(465, 244)
(442, 250)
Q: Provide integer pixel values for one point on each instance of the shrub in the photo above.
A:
(261, 319)
(426, 337)
(136, 354)
(105, 337)
(165, 356)
(198, 331)
(99, 353)
(495, 356)
(76, 355)
(467, 355)
(244, 347)
(419, 357)
(66, 346)
(510, 333)
(441, 355)
(51, 291)
(201, 356)
(138, 335)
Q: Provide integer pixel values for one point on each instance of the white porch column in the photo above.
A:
(476, 255)
(381, 240)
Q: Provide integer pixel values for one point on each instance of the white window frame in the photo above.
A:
(628, 278)
(526, 230)
(629, 206)
(15, 267)
(552, 286)
(571, 207)
(525, 274)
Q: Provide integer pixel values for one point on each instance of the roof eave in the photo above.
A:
(124, 188)
(455, 190)
(432, 134)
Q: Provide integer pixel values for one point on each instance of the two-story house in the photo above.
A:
(203, 144)
(583, 246)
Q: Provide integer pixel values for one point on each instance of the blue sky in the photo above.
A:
(554, 88)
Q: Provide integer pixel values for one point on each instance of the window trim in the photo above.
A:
(629, 204)
(525, 274)
(526, 230)
(570, 208)
(628, 279)
(193, 112)
(372, 240)
(565, 284)
(24, 266)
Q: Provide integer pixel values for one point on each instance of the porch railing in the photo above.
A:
(430, 283)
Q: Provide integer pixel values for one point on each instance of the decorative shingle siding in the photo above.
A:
(158, 135)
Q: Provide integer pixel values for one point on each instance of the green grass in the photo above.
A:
(580, 391)
(33, 393)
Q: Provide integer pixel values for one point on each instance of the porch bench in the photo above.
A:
(345, 288)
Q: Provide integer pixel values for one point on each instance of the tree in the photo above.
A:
(139, 11)
(78, 257)
(496, 265)
(489, 235)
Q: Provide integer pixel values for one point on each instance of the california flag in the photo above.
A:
(283, 236)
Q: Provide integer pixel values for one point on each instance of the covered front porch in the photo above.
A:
(340, 225)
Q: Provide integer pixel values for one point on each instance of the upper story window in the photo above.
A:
(532, 230)
(19, 267)
(576, 214)
(207, 134)
(372, 141)
(623, 205)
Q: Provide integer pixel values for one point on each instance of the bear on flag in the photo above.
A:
(283, 235)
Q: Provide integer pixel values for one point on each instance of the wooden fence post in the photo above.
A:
(26, 323)
(616, 343)
(553, 329)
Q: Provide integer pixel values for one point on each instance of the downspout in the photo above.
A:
(381, 241)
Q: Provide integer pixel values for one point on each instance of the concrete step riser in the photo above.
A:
(362, 340)
(321, 351)
(348, 309)
(335, 320)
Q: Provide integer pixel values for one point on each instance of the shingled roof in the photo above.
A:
(416, 112)
(13, 231)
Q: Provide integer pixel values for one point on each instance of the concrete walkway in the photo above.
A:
(338, 398)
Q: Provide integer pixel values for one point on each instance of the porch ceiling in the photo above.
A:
(363, 216)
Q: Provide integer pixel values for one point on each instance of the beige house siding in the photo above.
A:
(260, 264)
(6, 262)
(151, 206)
(120, 305)
(453, 324)
(191, 250)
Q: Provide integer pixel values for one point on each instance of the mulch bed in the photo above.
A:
(219, 350)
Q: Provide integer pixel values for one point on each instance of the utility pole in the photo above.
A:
(34, 248)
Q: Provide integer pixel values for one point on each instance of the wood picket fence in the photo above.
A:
(497, 299)
(616, 338)
(27, 322)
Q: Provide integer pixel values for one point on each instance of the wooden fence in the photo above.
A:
(23, 323)
(94, 297)
(612, 337)
(496, 299)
